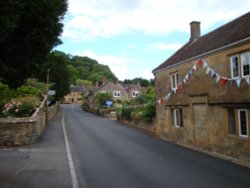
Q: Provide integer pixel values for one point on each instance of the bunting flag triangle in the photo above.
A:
(238, 81)
(247, 79)
(204, 64)
(217, 78)
(167, 97)
(224, 81)
(195, 68)
(186, 77)
(169, 94)
(212, 73)
(208, 70)
(184, 81)
(190, 72)
(162, 101)
(199, 62)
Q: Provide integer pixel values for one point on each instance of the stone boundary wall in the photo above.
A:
(144, 126)
(22, 131)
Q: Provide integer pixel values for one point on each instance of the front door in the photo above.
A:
(200, 125)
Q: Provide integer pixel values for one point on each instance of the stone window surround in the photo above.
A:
(135, 93)
(117, 93)
(237, 122)
(174, 80)
(240, 122)
(177, 116)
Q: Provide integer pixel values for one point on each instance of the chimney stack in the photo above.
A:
(195, 31)
(104, 80)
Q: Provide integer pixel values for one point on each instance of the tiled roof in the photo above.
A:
(79, 89)
(226, 35)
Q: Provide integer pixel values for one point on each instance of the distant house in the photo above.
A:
(204, 92)
(115, 89)
(133, 90)
(75, 95)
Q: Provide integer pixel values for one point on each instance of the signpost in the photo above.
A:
(109, 103)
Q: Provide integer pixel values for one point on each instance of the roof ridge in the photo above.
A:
(222, 36)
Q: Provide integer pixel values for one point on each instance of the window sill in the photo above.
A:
(239, 138)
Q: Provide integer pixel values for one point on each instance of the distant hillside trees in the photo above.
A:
(29, 30)
(87, 69)
(143, 82)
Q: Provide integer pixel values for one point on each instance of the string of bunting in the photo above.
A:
(202, 64)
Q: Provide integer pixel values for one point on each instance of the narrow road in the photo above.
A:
(107, 154)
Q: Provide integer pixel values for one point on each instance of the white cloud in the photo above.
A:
(118, 65)
(147, 74)
(162, 46)
(88, 20)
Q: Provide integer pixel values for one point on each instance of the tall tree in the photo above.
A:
(29, 30)
(59, 74)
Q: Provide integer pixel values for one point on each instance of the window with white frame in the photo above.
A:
(241, 125)
(235, 68)
(177, 117)
(243, 122)
(245, 64)
(240, 65)
(135, 93)
(174, 80)
(117, 93)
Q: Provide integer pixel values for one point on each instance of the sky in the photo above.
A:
(133, 37)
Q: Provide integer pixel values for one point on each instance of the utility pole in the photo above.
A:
(47, 96)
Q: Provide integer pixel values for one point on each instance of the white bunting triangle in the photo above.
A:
(204, 65)
(247, 79)
(195, 67)
(217, 78)
(208, 70)
(238, 81)
(184, 81)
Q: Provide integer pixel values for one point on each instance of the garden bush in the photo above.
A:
(20, 107)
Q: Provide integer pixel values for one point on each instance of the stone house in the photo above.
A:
(116, 89)
(204, 92)
(133, 90)
(75, 95)
(122, 92)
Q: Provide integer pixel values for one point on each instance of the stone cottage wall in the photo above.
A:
(22, 131)
(204, 104)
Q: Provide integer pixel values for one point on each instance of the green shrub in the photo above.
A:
(126, 113)
(148, 113)
(27, 91)
(20, 107)
(85, 107)
(101, 98)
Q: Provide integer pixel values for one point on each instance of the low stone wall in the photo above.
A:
(22, 131)
(147, 127)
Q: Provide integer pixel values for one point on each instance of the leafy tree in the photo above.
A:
(86, 83)
(59, 74)
(73, 73)
(27, 91)
(143, 82)
(29, 30)
(42, 86)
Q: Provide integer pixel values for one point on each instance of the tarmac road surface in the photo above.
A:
(107, 154)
